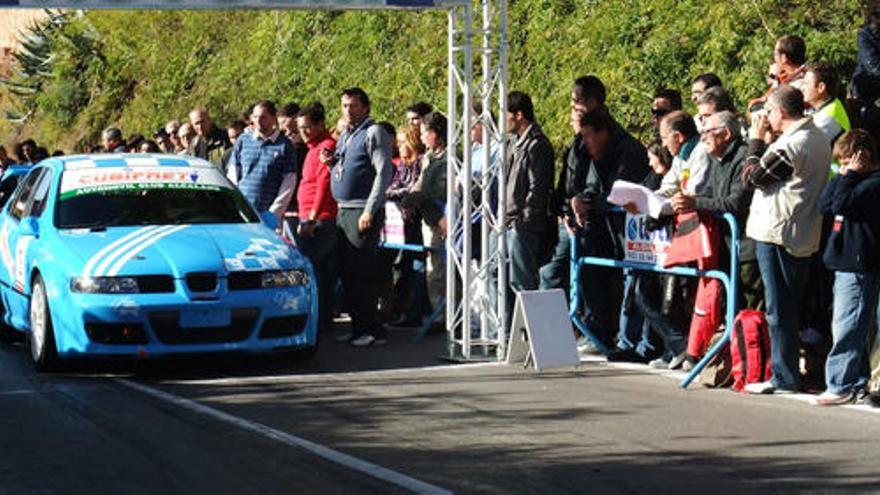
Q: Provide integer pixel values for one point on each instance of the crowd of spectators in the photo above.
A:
(798, 167)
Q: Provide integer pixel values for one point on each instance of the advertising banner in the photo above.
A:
(644, 246)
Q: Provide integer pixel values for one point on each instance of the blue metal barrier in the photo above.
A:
(730, 281)
(425, 327)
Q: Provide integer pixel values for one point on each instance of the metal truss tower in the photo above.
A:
(476, 280)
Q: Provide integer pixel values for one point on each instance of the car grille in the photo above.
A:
(201, 281)
(245, 280)
(283, 326)
(116, 333)
(154, 284)
(166, 325)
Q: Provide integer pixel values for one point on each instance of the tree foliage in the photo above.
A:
(139, 69)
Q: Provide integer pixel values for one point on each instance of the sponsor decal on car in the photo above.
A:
(261, 254)
(78, 182)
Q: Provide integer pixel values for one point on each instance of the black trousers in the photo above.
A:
(358, 256)
(321, 251)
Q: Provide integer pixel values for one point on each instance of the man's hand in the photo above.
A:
(325, 157)
(568, 228)
(682, 203)
(581, 207)
(365, 222)
(306, 229)
(632, 208)
(760, 128)
(442, 225)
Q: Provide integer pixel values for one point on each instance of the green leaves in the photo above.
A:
(138, 69)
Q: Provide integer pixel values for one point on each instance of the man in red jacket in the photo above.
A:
(316, 233)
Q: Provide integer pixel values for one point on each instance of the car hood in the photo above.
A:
(177, 250)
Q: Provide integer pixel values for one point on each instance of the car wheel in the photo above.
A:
(41, 337)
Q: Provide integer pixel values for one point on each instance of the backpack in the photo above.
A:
(718, 373)
(750, 348)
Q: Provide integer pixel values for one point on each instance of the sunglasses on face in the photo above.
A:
(659, 112)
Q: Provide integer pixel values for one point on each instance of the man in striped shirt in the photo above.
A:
(263, 163)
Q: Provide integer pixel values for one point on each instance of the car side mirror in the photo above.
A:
(269, 219)
(29, 227)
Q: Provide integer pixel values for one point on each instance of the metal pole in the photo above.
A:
(451, 213)
(486, 221)
(466, 178)
(501, 229)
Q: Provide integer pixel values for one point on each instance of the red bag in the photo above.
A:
(692, 240)
(750, 348)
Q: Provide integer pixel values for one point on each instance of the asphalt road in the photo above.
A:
(395, 419)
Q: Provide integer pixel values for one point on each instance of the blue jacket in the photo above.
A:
(854, 243)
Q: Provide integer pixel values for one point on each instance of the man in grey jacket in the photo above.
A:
(361, 173)
(529, 170)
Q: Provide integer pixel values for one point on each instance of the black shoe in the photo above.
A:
(626, 356)
(863, 398)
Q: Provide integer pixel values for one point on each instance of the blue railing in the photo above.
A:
(730, 281)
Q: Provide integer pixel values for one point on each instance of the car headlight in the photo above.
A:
(104, 285)
(285, 278)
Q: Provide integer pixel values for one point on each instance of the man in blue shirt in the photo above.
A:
(263, 163)
(361, 173)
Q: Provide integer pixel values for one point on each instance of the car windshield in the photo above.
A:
(119, 201)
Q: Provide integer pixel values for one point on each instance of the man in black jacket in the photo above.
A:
(528, 167)
(587, 95)
(615, 155)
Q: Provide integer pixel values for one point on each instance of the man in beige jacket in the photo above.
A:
(787, 166)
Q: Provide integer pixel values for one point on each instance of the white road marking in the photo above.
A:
(256, 380)
(368, 468)
(680, 375)
(22, 391)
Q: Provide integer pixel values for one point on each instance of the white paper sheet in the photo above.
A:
(623, 192)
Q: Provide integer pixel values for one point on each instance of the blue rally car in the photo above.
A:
(146, 255)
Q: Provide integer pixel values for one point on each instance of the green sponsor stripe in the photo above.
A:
(140, 186)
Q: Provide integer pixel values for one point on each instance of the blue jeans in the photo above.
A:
(523, 248)
(784, 278)
(554, 274)
(855, 300)
(635, 330)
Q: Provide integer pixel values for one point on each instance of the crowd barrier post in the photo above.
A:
(729, 280)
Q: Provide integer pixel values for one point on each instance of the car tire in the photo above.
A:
(41, 337)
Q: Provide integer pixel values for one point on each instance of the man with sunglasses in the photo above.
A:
(724, 193)
(665, 101)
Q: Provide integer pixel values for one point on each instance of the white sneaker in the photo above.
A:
(659, 364)
(588, 347)
(832, 399)
(367, 340)
(759, 388)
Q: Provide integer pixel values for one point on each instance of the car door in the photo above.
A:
(16, 233)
